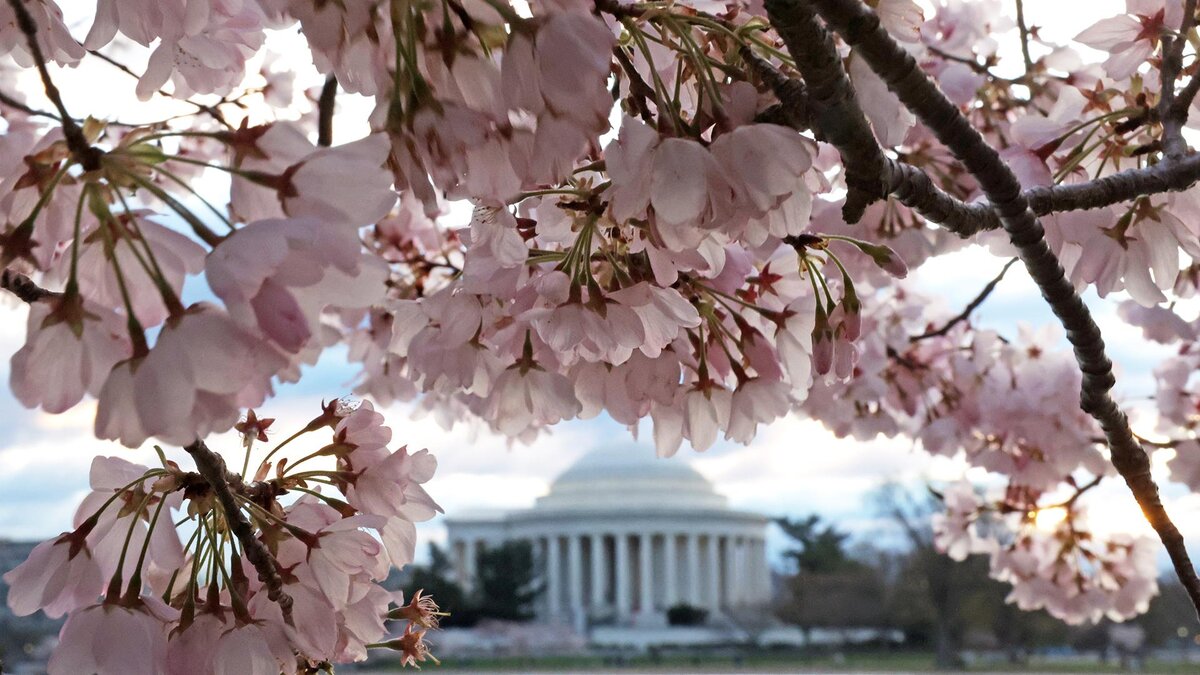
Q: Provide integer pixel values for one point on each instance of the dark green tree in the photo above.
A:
(445, 591)
(821, 548)
(830, 588)
(507, 582)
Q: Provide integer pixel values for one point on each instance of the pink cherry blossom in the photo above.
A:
(522, 398)
(204, 53)
(280, 275)
(243, 650)
(392, 486)
(1132, 37)
(697, 266)
(72, 345)
(52, 35)
(59, 576)
(110, 638)
(201, 371)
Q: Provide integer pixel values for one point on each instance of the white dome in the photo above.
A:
(629, 477)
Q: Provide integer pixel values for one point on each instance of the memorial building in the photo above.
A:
(622, 536)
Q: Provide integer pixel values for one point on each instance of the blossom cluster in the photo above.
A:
(1049, 555)
(664, 227)
(157, 571)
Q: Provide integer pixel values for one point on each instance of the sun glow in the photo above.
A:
(1049, 519)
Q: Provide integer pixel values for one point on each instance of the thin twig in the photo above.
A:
(860, 27)
(212, 111)
(211, 466)
(1024, 30)
(615, 8)
(325, 105)
(639, 90)
(18, 105)
(87, 156)
(971, 307)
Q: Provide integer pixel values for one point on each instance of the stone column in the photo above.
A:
(575, 574)
(714, 573)
(693, 570)
(458, 557)
(622, 564)
(743, 570)
(553, 578)
(470, 563)
(761, 574)
(599, 572)
(731, 573)
(671, 576)
(645, 574)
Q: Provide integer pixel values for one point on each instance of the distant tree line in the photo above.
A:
(937, 603)
(506, 585)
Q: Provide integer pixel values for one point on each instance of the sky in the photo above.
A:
(793, 468)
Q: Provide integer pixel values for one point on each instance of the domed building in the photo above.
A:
(622, 536)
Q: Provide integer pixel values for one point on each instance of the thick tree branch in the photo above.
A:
(916, 190)
(793, 109)
(325, 106)
(1173, 118)
(860, 27)
(1169, 175)
(1184, 100)
(211, 466)
(828, 106)
(23, 287)
(966, 220)
(971, 306)
(834, 106)
(87, 156)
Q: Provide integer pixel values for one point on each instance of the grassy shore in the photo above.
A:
(767, 662)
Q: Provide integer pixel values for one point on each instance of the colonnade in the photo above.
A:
(623, 575)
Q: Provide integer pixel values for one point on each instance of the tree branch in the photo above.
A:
(792, 94)
(1184, 100)
(12, 102)
(211, 466)
(1024, 30)
(1173, 118)
(325, 106)
(87, 156)
(23, 287)
(212, 111)
(860, 27)
(916, 190)
(834, 106)
(971, 307)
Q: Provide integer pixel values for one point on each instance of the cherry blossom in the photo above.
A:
(734, 252)
(73, 344)
(59, 576)
(1132, 37)
(128, 534)
(128, 639)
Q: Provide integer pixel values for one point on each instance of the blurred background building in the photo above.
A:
(622, 539)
